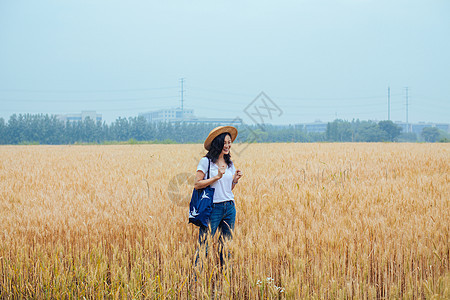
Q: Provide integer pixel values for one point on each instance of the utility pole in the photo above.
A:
(389, 103)
(182, 100)
(407, 122)
(182, 91)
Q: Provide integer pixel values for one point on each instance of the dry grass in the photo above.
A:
(314, 221)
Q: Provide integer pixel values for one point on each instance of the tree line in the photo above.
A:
(382, 131)
(48, 129)
(45, 129)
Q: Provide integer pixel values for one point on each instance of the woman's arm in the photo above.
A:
(201, 183)
(236, 178)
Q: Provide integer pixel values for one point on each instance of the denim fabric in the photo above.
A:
(222, 217)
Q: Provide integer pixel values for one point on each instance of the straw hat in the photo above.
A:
(217, 131)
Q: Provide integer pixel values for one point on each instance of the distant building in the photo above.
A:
(443, 126)
(320, 127)
(92, 114)
(317, 127)
(418, 127)
(174, 115)
(168, 115)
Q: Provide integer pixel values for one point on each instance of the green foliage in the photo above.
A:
(3, 129)
(444, 137)
(409, 137)
(430, 134)
(370, 132)
(392, 130)
(362, 131)
(45, 129)
(28, 143)
(339, 131)
(313, 137)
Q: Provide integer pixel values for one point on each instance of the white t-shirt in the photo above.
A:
(222, 186)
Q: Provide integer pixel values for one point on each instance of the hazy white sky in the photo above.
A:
(316, 59)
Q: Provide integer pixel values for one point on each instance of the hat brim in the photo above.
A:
(217, 131)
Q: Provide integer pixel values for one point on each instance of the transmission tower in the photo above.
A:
(389, 103)
(407, 121)
(182, 94)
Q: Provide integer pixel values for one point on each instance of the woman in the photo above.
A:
(223, 178)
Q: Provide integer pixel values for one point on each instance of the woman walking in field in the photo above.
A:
(223, 178)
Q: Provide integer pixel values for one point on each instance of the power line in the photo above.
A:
(337, 105)
(222, 92)
(88, 100)
(291, 98)
(335, 98)
(87, 91)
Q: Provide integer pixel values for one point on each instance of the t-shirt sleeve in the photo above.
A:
(233, 169)
(203, 165)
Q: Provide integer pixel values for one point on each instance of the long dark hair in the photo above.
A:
(217, 147)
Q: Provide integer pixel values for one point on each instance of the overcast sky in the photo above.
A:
(316, 59)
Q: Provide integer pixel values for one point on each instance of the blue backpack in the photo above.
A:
(201, 203)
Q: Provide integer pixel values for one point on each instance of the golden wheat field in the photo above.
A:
(318, 221)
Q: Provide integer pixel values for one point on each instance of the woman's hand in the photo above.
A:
(237, 176)
(221, 171)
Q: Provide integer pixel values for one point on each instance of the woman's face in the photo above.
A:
(226, 145)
